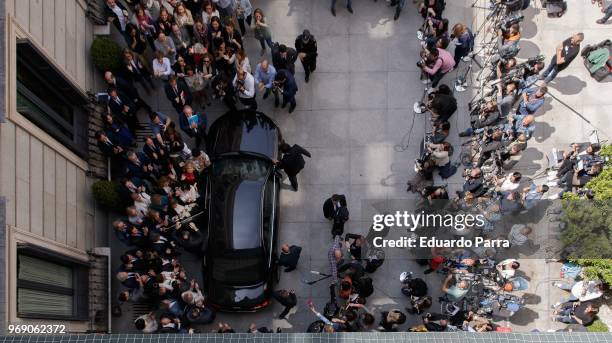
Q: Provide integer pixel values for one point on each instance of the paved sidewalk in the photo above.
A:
(355, 117)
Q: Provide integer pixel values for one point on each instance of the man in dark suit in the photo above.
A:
(134, 70)
(123, 108)
(285, 298)
(107, 146)
(138, 165)
(126, 87)
(289, 257)
(333, 204)
(190, 238)
(193, 124)
(117, 14)
(286, 82)
(178, 93)
(306, 47)
(292, 162)
(284, 57)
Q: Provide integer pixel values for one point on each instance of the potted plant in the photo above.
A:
(106, 54)
(107, 196)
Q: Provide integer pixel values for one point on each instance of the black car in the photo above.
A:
(242, 190)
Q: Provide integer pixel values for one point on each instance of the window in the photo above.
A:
(51, 286)
(48, 100)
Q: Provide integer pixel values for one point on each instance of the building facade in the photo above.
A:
(52, 231)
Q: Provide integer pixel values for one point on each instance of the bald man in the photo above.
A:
(289, 257)
(564, 55)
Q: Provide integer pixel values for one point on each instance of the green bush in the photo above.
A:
(106, 54)
(589, 225)
(106, 194)
(597, 326)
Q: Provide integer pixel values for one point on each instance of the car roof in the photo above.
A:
(245, 131)
(236, 217)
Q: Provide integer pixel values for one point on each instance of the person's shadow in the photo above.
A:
(568, 85)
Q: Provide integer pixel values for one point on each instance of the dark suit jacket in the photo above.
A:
(171, 95)
(290, 259)
(184, 124)
(117, 109)
(290, 87)
(310, 49)
(284, 63)
(137, 73)
(193, 244)
(125, 87)
(293, 161)
(108, 12)
(136, 170)
(328, 206)
(107, 148)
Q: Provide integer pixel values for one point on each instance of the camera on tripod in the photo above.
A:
(511, 20)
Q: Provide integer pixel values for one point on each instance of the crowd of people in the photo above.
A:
(195, 49)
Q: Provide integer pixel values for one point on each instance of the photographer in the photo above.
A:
(506, 97)
(284, 57)
(504, 66)
(487, 115)
(491, 144)
(442, 104)
(532, 99)
(440, 155)
(582, 313)
(284, 83)
(224, 90)
(531, 71)
(474, 182)
(433, 8)
(244, 84)
(444, 62)
(424, 176)
(510, 35)
(521, 124)
(578, 178)
(437, 30)
(510, 182)
(440, 131)
(507, 268)
(464, 42)
(457, 291)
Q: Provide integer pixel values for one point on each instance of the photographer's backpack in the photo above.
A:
(598, 59)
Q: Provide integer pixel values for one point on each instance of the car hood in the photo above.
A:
(245, 131)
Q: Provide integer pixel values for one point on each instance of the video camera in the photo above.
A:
(511, 19)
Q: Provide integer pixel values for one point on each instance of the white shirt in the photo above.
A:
(163, 68)
(249, 86)
(508, 185)
(206, 17)
(119, 12)
(506, 273)
(150, 324)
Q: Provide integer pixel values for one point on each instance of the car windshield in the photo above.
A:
(241, 268)
(243, 168)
